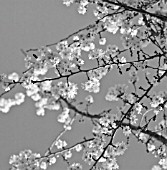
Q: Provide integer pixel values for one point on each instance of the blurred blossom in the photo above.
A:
(36, 97)
(4, 105)
(68, 154)
(82, 9)
(54, 106)
(98, 73)
(68, 2)
(120, 149)
(40, 112)
(19, 98)
(46, 85)
(126, 130)
(13, 76)
(25, 160)
(52, 160)
(5, 86)
(89, 99)
(43, 165)
(41, 102)
(140, 21)
(75, 38)
(2, 77)
(32, 89)
(163, 163)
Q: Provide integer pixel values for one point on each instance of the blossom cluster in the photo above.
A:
(6, 104)
(25, 160)
(114, 93)
(65, 118)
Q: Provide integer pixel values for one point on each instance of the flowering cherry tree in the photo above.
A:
(141, 24)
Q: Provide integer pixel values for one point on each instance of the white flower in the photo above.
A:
(32, 89)
(89, 99)
(78, 147)
(111, 26)
(52, 160)
(43, 165)
(40, 112)
(55, 106)
(122, 60)
(150, 147)
(75, 166)
(46, 85)
(140, 21)
(36, 97)
(156, 167)
(13, 76)
(82, 9)
(61, 118)
(164, 67)
(19, 98)
(163, 163)
(102, 41)
(91, 85)
(143, 137)
(68, 154)
(64, 116)
(133, 119)
(68, 2)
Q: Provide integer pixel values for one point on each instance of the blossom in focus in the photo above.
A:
(24, 160)
(60, 144)
(89, 99)
(127, 130)
(163, 163)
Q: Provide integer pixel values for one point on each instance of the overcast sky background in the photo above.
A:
(34, 23)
